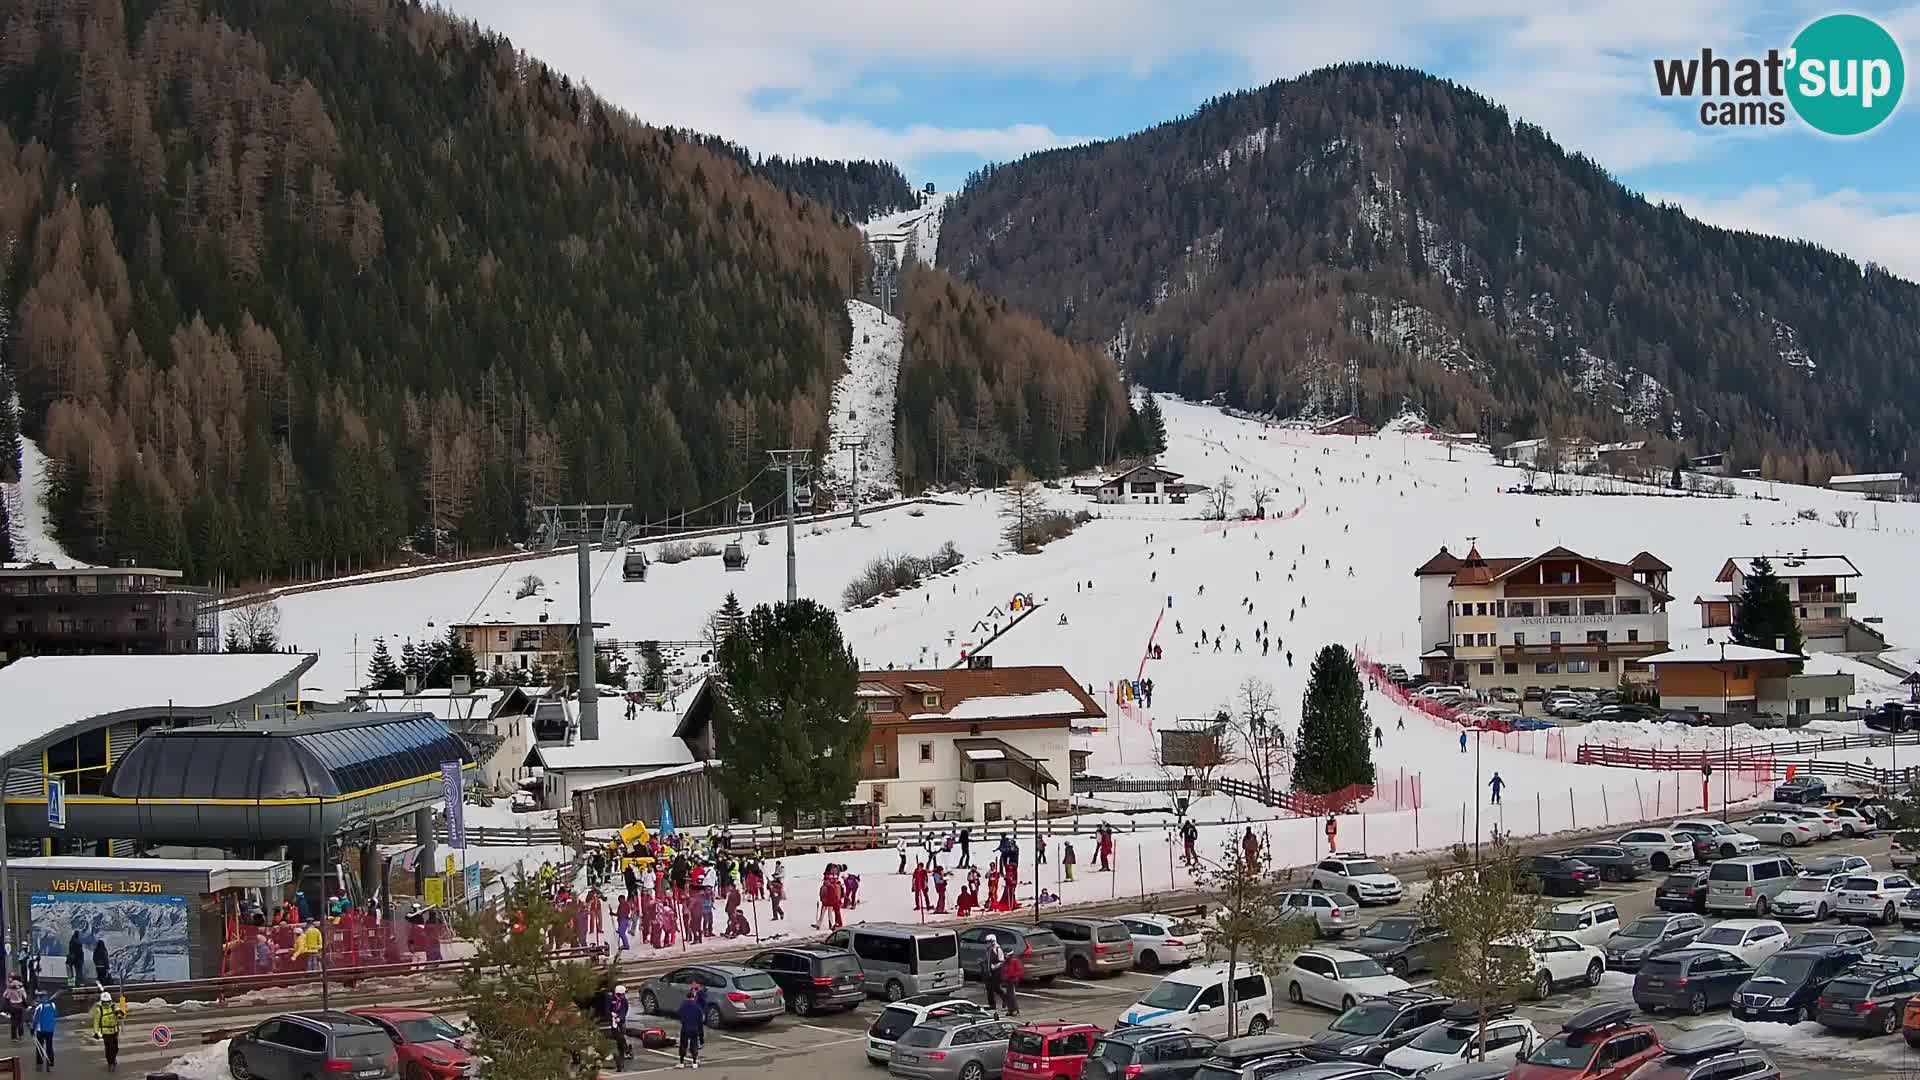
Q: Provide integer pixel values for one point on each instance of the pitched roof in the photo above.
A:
(1648, 561)
(1043, 692)
(1792, 566)
(1474, 570)
(1147, 466)
(1744, 654)
(1443, 563)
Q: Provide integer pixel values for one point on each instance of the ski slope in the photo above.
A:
(915, 232)
(33, 539)
(863, 404)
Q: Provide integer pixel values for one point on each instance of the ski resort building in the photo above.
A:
(1744, 682)
(523, 633)
(1142, 484)
(1555, 619)
(1822, 590)
(1887, 483)
(48, 610)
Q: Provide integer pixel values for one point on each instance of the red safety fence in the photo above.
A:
(1308, 804)
(1738, 759)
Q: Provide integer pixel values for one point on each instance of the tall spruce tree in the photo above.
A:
(787, 727)
(382, 672)
(1335, 745)
(653, 666)
(6, 528)
(1153, 426)
(413, 662)
(460, 660)
(1764, 619)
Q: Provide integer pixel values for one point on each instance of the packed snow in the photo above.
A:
(914, 233)
(863, 404)
(33, 539)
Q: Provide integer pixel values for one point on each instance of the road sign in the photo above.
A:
(436, 891)
(56, 803)
(473, 880)
(162, 1035)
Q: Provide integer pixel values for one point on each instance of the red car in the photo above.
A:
(429, 1047)
(1055, 1050)
(1600, 1043)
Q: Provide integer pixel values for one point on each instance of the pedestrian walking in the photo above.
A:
(102, 963)
(920, 879)
(901, 848)
(1379, 736)
(966, 855)
(16, 1005)
(617, 1010)
(45, 1019)
(777, 890)
(1067, 858)
(1463, 742)
(990, 970)
(1496, 784)
(1010, 972)
(106, 1025)
(693, 1028)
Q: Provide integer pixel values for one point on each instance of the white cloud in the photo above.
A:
(1876, 227)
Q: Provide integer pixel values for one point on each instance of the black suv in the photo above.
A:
(1871, 997)
(1378, 1026)
(1402, 943)
(1149, 1053)
(1787, 984)
(815, 978)
(1562, 875)
(1682, 890)
(296, 1045)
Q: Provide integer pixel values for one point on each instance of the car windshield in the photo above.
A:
(1443, 1039)
(923, 1036)
(1391, 930)
(1561, 1052)
(892, 1021)
(1645, 928)
(1358, 969)
(1558, 920)
(1723, 935)
(1899, 947)
(1114, 1052)
(1786, 968)
(1369, 1018)
(1027, 1042)
(1664, 966)
(1721, 828)
(1171, 995)
(756, 981)
(1042, 939)
(1860, 884)
(1728, 872)
(427, 1029)
(1183, 927)
(1364, 867)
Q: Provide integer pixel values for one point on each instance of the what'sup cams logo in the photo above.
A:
(1843, 75)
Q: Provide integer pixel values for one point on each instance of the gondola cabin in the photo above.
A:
(634, 566)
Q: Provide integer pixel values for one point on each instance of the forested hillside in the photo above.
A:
(1373, 237)
(859, 190)
(984, 388)
(292, 282)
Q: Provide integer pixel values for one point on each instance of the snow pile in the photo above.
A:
(863, 404)
(1408, 422)
(1042, 703)
(207, 1063)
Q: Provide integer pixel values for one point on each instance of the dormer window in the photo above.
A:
(930, 701)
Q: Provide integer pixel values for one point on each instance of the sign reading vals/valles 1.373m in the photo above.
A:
(91, 885)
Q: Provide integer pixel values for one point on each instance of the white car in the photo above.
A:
(1164, 940)
(1726, 839)
(1337, 978)
(1432, 690)
(1358, 875)
(898, 1017)
(1752, 940)
(1558, 960)
(1663, 848)
(1809, 897)
(1837, 864)
(1902, 952)
(1589, 922)
(1825, 825)
(1871, 896)
(1855, 821)
(1447, 1043)
(1779, 829)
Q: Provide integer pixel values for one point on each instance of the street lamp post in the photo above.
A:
(1477, 732)
(1726, 734)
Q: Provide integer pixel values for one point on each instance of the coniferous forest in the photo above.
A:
(1372, 238)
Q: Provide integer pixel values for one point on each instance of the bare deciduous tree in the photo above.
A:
(1253, 718)
(529, 585)
(254, 627)
(1220, 499)
(1193, 754)
(1259, 493)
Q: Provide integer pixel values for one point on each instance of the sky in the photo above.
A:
(943, 88)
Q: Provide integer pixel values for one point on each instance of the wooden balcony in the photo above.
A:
(1544, 649)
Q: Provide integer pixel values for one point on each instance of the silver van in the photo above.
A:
(901, 961)
(1749, 882)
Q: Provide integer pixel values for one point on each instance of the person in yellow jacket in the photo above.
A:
(106, 1025)
(308, 947)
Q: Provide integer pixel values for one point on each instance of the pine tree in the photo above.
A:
(1336, 738)
(526, 1009)
(1764, 618)
(787, 725)
(1153, 427)
(412, 663)
(460, 660)
(653, 666)
(6, 527)
(438, 660)
(1022, 503)
(382, 672)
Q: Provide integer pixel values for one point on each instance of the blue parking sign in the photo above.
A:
(56, 803)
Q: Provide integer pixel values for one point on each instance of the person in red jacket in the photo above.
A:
(1010, 973)
(919, 886)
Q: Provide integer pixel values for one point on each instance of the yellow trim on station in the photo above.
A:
(308, 800)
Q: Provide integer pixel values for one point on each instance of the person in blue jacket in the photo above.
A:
(45, 1019)
(693, 1022)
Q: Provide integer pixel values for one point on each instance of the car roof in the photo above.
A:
(1577, 906)
(1076, 920)
(1054, 1027)
(727, 969)
(390, 1013)
(810, 950)
(335, 1018)
(1812, 950)
(1742, 924)
(1203, 974)
(932, 998)
(1134, 1035)
(1336, 954)
(1328, 893)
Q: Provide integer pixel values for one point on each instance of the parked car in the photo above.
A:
(1566, 708)
(1871, 896)
(1590, 922)
(1902, 951)
(814, 978)
(1251, 1056)
(899, 1017)
(1471, 1070)
(1821, 820)
(1685, 890)
(1358, 875)
(1040, 951)
(1337, 978)
(427, 1047)
(1374, 1028)
(1750, 882)
(1403, 943)
(1281, 1068)
(1869, 998)
(1614, 862)
(1094, 946)
(1599, 1043)
(1752, 940)
(1836, 864)
(1055, 1050)
(1800, 789)
(1196, 998)
(1901, 856)
(1164, 940)
(1785, 986)
(1689, 981)
(1709, 1052)
(1562, 875)
(1722, 840)
(1334, 913)
(1809, 897)
(952, 1048)
(294, 1046)
(1457, 1038)
(1651, 935)
(1909, 913)
(1558, 960)
(1664, 849)
(1627, 714)
(1779, 828)
(736, 993)
(1855, 820)
(1910, 1022)
(1147, 1053)
(1856, 938)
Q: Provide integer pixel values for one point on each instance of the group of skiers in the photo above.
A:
(32, 1011)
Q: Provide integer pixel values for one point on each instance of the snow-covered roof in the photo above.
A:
(1620, 447)
(479, 705)
(1865, 478)
(984, 754)
(650, 774)
(47, 694)
(1712, 654)
(1042, 703)
(647, 739)
(1794, 566)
